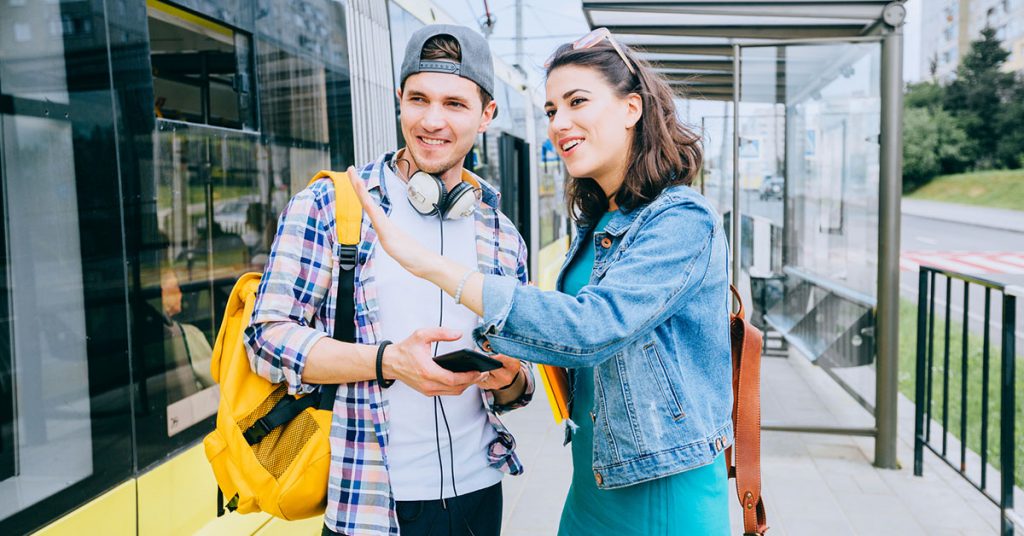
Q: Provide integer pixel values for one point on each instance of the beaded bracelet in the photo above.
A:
(462, 284)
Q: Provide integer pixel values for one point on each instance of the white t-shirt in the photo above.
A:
(406, 304)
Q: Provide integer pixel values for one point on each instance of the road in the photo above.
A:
(985, 252)
(993, 254)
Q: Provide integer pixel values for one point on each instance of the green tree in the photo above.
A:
(933, 144)
(977, 97)
(926, 94)
(1010, 148)
(920, 163)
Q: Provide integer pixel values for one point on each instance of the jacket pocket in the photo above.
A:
(663, 378)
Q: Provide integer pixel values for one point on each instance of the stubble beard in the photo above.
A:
(437, 169)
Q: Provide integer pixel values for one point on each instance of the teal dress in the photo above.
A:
(692, 502)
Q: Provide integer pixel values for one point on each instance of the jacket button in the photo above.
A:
(486, 345)
(606, 242)
(593, 417)
(597, 478)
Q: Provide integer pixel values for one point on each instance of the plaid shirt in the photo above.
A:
(294, 309)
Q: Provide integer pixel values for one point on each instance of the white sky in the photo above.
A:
(549, 23)
(912, 42)
(546, 24)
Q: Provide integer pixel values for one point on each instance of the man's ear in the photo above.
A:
(488, 115)
(398, 93)
(634, 109)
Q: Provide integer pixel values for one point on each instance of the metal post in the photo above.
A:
(889, 191)
(787, 203)
(704, 165)
(1008, 414)
(520, 58)
(737, 248)
(920, 377)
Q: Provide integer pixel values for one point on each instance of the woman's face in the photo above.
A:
(589, 124)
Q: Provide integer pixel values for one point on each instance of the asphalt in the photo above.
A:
(993, 218)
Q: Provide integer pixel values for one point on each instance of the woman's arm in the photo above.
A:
(639, 290)
(661, 272)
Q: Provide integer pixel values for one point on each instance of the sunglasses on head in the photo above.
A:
(593, 38)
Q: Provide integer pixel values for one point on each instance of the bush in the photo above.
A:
(1010, 147)
(933, 144)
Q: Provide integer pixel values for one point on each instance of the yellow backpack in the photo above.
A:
(270, 450)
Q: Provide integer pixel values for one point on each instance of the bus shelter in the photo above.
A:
(804, 162)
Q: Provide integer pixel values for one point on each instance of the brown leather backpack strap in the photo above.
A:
(745, 456)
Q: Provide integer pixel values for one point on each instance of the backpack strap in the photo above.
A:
(744, 457)
(348, 217)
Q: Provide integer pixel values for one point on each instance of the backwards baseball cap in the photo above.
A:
(476, 63)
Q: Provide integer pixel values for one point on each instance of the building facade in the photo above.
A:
(949, 26)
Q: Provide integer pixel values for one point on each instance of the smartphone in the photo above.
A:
(466, 361)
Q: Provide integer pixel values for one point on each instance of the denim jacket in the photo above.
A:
(654, 324)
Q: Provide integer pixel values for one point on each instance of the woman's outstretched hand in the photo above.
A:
(397, 243)
(418, 260)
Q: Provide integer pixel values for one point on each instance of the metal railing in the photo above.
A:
(927, 368)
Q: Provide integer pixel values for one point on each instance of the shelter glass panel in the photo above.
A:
(809, 118)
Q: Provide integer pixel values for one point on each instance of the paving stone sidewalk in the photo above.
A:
(813, 484)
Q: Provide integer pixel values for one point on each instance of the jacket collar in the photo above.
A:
(621, 221)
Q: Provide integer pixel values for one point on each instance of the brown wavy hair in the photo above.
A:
(664, 151)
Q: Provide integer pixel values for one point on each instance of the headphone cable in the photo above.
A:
(439, 402)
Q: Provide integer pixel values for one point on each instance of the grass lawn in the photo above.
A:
(908, 358)
(1000, 189)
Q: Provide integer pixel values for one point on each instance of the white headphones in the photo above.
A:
(428, 196)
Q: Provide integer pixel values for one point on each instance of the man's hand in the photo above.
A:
(502, 377)
(411, 362)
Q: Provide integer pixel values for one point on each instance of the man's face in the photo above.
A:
(441, 116)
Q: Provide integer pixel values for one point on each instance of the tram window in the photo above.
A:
(200, 69)
(65, 413)
(60, 378)
(187, 273)
(45, 462)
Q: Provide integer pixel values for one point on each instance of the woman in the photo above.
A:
(641, 314)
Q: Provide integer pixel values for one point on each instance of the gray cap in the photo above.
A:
(476, 64)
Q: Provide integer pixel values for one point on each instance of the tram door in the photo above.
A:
(514, 162)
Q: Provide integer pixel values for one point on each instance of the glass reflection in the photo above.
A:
(64, 406)
(54, 439)
(211, 226)
(833, 131)
(216, 194)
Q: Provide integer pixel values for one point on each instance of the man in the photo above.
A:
(427, 454)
